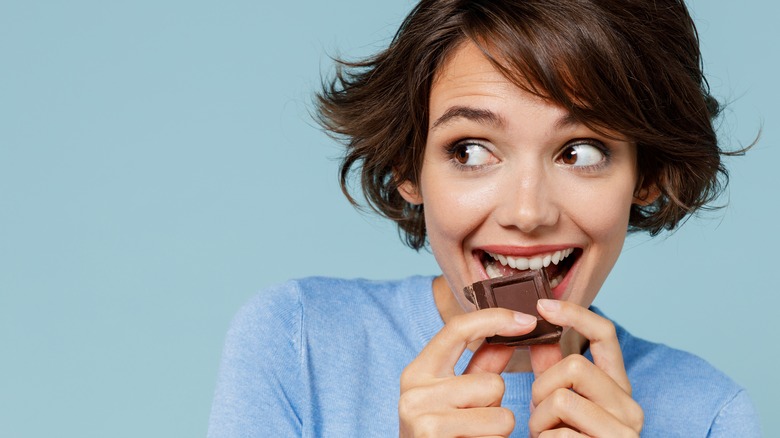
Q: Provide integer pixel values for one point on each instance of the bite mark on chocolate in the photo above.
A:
(520, 293)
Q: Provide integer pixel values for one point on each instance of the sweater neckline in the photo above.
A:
(425, 320)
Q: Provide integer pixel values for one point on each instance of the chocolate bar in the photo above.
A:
(518, 292)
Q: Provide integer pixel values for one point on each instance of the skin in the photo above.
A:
(504, 160)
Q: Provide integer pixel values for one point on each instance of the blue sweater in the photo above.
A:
(323, 357)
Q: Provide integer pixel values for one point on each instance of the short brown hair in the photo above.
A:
(629, 66)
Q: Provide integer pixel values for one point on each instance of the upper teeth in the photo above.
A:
(538, 262)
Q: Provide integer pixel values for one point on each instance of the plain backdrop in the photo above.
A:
(159, 165)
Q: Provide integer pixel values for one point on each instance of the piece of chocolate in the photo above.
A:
(518, 292)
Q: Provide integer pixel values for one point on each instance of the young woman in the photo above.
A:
(507, 135)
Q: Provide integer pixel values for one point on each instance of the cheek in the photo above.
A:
(608, 216)
(601, 207)
(602, 213)
(454, 209)
(605, 217)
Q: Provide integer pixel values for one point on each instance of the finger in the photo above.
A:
(569, 408)
(589, 381)
(438, 358)
(489, 358)
(604, 345)
(543, 357)
(457, 392)
(561, 432)
(476, 422)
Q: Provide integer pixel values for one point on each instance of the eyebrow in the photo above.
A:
(567, 121)
(475, 114)
(488, 117)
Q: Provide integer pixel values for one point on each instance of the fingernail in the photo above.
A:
(550, 305)
(523, 319)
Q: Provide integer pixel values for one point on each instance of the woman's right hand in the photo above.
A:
(436, 402)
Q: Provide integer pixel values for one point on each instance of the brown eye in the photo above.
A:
(462, 154)
(582, 155)
(569, 156)
(472, 155)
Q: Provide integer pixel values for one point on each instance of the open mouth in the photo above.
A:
(557, 264)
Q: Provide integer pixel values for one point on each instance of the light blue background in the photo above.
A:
(158, 165)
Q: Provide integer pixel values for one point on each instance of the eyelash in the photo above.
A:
(590, 142)
(453, 147)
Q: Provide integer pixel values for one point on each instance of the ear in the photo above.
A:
(410, 192)
(646, 195)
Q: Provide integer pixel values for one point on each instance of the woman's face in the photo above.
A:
(510, 181)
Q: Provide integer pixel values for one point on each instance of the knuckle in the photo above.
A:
(456, 321)
(460, 326)
(629, 433)
(607, 330)
(576, 364)
(454, 327)
(404, 407)
(407, 378)
(505, 421)
(536, 392)
(636, 417)
(560, 433)
(409, 402)
(427, 425)
(534, 427)
(563, 399)
(493, 384)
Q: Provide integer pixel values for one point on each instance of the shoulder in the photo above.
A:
(653, 362)
(296, 356)
(325, 293)
(665, 368)
(315, 304)
(285, 349)
(682, 392)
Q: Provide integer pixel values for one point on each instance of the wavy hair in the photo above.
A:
(627, 66)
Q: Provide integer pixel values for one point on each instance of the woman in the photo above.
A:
(507, 135)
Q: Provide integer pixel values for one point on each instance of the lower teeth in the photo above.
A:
(493, 272)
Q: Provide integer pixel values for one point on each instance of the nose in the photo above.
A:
(528, 203)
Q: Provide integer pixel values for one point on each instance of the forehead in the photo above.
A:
(465, 67)
(467, 81)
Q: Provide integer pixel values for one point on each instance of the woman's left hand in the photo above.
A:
(573, 394)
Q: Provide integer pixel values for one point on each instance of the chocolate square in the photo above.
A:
(518, 292)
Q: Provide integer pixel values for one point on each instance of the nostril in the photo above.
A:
(528, 217)
(528, 203)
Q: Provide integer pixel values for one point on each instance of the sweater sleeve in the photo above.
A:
(738, 417)
(259, 386)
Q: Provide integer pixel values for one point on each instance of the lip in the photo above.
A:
(560, 290)
(527, 251)
(524, 251)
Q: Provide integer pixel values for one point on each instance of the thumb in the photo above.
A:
(543, 357)
(489, 358)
